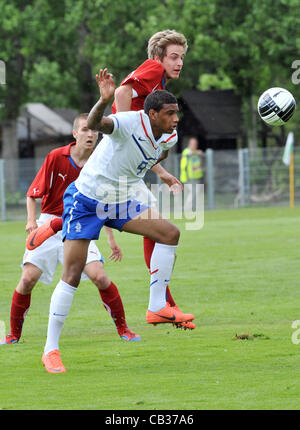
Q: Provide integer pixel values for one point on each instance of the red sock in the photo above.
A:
(56, 224)
(169, 297)
(112, 302)
(19, 308)
(148, 249)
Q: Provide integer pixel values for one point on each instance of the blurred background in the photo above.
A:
(50, 52)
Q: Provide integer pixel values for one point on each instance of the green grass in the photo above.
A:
(240, 273)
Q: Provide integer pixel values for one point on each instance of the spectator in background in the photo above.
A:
(191, 171)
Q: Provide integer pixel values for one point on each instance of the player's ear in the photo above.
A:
(74, 134)
(152, 114)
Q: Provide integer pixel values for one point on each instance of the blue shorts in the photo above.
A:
(83, 218)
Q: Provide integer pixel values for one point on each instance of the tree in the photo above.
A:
(53, 50)
(31, 33)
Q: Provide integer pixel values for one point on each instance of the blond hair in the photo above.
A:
(158, 43)
(78, 118)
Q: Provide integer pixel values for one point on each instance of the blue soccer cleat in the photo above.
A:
(128, 335)
(9, 340)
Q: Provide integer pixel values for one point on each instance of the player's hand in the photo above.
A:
(30, 226)
(116, 254)
(173, 183)
(106, 85)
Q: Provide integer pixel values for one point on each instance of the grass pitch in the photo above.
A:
(239, 274)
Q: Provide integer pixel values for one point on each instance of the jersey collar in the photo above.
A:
(67, 149)
(148, 132)
(147, 129)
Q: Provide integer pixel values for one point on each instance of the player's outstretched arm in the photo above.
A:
(116, 253)
(123, 98)
(31, 215)
(96, 120)
(173, 183)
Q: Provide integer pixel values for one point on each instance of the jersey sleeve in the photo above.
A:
(169, 142)
(123, 123)
(42, 182)
(145, 78)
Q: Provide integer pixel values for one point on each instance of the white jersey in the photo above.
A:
(114, 172)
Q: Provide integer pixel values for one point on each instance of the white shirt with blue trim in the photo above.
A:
(114, 171)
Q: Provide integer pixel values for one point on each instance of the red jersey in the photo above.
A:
(148, 77)
(51, 181)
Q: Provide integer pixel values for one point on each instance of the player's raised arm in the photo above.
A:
(107, 87)
(123, 98)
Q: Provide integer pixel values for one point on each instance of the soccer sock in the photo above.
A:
(161, 267)
(148, 249)
(60, 305)
(112, 302)
(56, 224)
(169, 297)
(19, 307)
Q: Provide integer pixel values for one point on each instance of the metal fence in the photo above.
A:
(231, 179)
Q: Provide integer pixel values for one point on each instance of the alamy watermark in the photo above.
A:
(2, 73)
(295, 339)
(2, 329)
(124, 200)
(296, 74)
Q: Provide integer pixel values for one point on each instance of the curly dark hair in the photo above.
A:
(157, 99)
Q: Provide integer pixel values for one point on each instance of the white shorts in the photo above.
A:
(48, 255)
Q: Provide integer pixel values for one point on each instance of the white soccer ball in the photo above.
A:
(276, 106)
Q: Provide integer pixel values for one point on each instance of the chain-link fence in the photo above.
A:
(15, 178)
(231, 179)
(239, 178)
(249, 178)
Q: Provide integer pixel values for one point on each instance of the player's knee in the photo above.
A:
(170, 235)
(72, 273)
(101, 280)
(27, 283)
(173, 235)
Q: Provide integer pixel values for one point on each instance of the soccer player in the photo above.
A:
(109, 191)
(61, 167)
(166, 50)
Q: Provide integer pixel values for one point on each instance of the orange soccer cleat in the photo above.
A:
(167, 314)
(39, 235)
(53, 363)
(185, 325)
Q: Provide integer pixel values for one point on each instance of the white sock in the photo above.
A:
(60, 305)
(161, 266)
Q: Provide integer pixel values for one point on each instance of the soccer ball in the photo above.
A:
(276, 106)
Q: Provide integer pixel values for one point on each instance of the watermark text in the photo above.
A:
(295, 338)
(2, 73)
(2, 329)
(296, 74)
(127, 201)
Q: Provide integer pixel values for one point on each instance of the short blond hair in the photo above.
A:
(158, 43)
(78, 118)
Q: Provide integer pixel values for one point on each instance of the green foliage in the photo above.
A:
(53, 49)
(209, 81)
